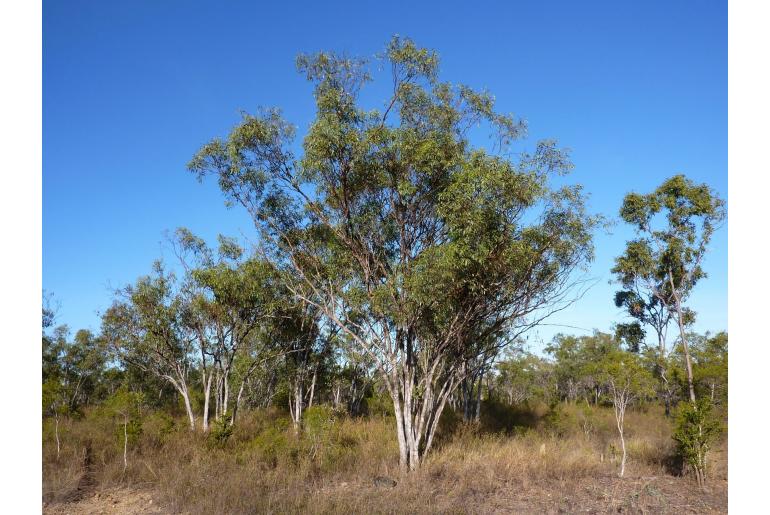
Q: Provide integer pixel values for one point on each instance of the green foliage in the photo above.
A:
(625, 374)
(525, 378)
(124, 408)
(659, 269)
(560, 420)
(709, 356)
(695, 431)
(318, 420)
(220, 431)
(632, 335)
(395, 217)
(576, 367)
(159, 427)
(378, 404)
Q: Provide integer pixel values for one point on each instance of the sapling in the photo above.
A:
(124, 406)
(627, 380)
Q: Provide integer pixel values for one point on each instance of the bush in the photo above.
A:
(379, 404)
(158, 428)
(561, 421)
(221, 431)
(695, 431)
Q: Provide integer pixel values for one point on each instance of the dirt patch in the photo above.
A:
(121, 501)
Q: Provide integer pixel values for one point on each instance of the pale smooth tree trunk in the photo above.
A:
(58, 443)
(181, 387)
(237, 403)
(621, 399)
(666, 389)
(206, 399)
(416, 419)
(477, 417)
(188, 407)
(125, 444)
(312, 387)
(688, 363)
(683, 337)
(295, 406)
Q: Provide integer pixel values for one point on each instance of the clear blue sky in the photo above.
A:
(637, 90)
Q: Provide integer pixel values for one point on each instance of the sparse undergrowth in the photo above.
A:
(521, 460)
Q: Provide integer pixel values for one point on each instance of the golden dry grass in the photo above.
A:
(522, 461)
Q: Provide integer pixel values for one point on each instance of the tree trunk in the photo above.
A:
(686, 349)
(190, 415)
(623, 459)
(312, 387)
(125, 444)
(58, 443)
(237, 403)
(225, 391)
(620, 410)
(180, 386)
(206, 398)
(416, 420)
(477, 416)
(295, 406)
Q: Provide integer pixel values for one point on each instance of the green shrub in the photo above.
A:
(158, 427)
(696, 429)
(560, 421)
(378, 404)
(318, 420)
(272, 444)
(221, 431)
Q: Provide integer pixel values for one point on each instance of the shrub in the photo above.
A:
(221, 431)
(158, 428)
(695, 431)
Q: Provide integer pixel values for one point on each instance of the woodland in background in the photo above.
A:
(395, 274)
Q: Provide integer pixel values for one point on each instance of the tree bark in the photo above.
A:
(237, 404)
(58, 444)
(477, 416)
(125, 444)
(683, 337)
(188, 407)
(206, 398)
(312, 387)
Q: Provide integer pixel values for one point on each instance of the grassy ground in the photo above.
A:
(520, 461)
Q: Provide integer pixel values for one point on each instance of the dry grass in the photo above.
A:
(525, 460)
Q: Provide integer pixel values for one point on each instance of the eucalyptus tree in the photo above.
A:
(709, 362)
(351, 378)
(575, 358)
(659, 269)
(144, 328)
(627, 380)
(640, 297)
(398, 230)
(524, 377)
(231, 304)
(710, 356)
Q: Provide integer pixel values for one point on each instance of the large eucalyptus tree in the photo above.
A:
(412, 241)
(660, 268)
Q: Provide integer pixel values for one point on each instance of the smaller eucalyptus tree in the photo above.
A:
(144, 328)
(124, 406)
(627, 380)
(233, 306)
